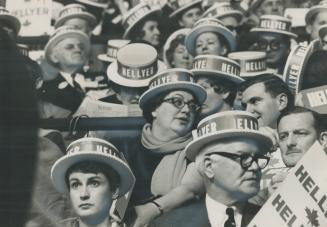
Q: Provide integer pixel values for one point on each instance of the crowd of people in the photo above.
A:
(214, 82)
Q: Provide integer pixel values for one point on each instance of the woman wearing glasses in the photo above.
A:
(170, 106)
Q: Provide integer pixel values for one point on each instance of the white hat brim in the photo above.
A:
(12, 20)
(203, 72)
(193, 148)
(130, 28)
(59, 169)
(195, 89)
(70, 34)
(290, 34)
(83, 15)
(112, 73)
(104, 57)
(181, 9)
(87, 2)
(192, 36)
(233, 13)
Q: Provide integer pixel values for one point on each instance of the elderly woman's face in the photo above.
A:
(173, 116)
(181, 58)
(90, 195)
(209, 43)
(151, 32)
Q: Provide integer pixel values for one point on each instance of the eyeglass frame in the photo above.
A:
(242, 157)
(269, 44)
(170, 100)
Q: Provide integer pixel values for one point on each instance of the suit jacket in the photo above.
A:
(250, 210)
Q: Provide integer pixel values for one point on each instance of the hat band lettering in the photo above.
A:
(136, 16)
(74, 10)
(92, 146)
(112, 52)
(137, 73)
(171, 78)
(275, 24)
(217, 65)
(254, 66)
(240, 122)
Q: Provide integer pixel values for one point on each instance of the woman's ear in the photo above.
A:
(154, 114)
(115, 193)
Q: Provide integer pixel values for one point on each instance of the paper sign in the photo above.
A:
(34, 16)
(95, 108)
(315, 99)
(301, 200)
(296, 62)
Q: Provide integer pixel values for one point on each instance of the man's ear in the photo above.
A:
(308, 29)
(207, 167)
(154, 114)
(181, 23)
(225, 94)
(282, 101)
(53, 57)
(115, 193)
(223, 50)
(323, 139)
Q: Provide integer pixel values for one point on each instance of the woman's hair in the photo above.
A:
(179, 40)
(95, 167)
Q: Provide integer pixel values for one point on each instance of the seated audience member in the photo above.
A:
(298, 129)
(221, 86)
(170, 107)
(210, 36)
(18, 140)
(186, 12)
(175, 53)
(130, 75)
(93, 173)
(273, 36)
(230, 158)
(142, 25)
(315, 17)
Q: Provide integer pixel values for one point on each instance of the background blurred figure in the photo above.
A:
(175, 54)
(18, 134)
(315, 17)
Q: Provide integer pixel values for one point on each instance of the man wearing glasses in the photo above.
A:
(229, 153)
(273, 36)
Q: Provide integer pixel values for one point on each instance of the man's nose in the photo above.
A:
(291, 141)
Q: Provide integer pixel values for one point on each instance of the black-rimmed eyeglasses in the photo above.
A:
(179, 103)
(274, 44)
(245, 160)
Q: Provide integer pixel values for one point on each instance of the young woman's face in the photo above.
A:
(90, 195)
(181, 58)
(151, 32)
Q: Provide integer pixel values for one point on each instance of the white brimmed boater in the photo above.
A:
(113, 46)
(321, 7)
(209, 25)
(252, 63)
(181, 6)
(135, 66)
(171, 38)
(75, 11)
(217, 67)
(62, 33)
(275, 24)
(170, 80)
(97, 150)
(136, 15)
(11, 19)
(226, 125)
(95, 3)
(221, 10)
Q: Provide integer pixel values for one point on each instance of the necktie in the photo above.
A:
(230, 222)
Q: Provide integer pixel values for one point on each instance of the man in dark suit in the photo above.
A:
(229, 152)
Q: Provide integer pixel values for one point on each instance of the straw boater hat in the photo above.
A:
(170, 80)
(321, 7)
(75, 11)
(11, 19)
(62, 33)
(136, 15)
(96, 3)
(221, 10)
(209, 25)
(97, 150)
(322, 31)
(217, 67)
(252, 63)
(171, 38)
(224, 125)
(275, 24)
(182, 5)
(136, 64)
(113, 46)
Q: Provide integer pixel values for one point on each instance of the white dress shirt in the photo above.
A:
(217, 213)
